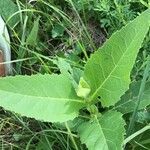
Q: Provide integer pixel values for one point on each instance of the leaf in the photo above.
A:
(77, 74)
(7, 9)
(63, 65)
(5, 45)
(72, 124)
(143, 116)
(57, 31)
(105, 133)
(43, 97)
(72, 72)
(32, 38)
(108, 70)
(128, 101)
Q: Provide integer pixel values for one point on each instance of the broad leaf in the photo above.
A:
(105, 133)
(72, 72)
(7, 9)
(63, 65)
(128, 101)
(108, 70)
(57, 31)
(32, 38)
(45, 97)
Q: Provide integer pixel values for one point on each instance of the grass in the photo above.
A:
(71, 29)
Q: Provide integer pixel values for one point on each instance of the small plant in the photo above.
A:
(106, 77)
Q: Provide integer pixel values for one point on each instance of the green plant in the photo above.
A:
(58, 98)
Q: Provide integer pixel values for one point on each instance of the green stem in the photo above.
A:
(136, 134)
(71, 137)
(144, 3)
(142, 87)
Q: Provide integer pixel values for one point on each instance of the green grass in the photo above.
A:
(71, 29)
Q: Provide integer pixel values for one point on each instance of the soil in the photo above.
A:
(97, 33)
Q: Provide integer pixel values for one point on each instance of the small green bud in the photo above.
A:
(83, 89)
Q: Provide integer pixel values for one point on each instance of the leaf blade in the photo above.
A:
(111, 60)
(32, 38)
(43, 97)
(8, 8)
(129, 100)
(106, 132)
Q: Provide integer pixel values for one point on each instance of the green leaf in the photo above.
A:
(143, 116)
(128, 101)
(72, 124)
(77, 74)
(44, 97)
(72, 72)
(108, 70)
(32, 38)
(63, 65)
(7, 9)
(65, 68)
(57, 31)
(105, 133)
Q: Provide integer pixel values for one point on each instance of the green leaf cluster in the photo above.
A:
(106, 77)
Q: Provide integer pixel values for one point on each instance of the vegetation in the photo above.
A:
(72, 88)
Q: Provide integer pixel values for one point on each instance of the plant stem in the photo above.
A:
(144, 3)
(136, 134)
(142, 87)
(71, 137)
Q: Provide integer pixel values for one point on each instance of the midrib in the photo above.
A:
(100, 128)
(95, 93)
(44, 97)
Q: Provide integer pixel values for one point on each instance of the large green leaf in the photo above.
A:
(45, 97)
(108, 70)
(105, 133)
(129, 100)
(7, 9)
